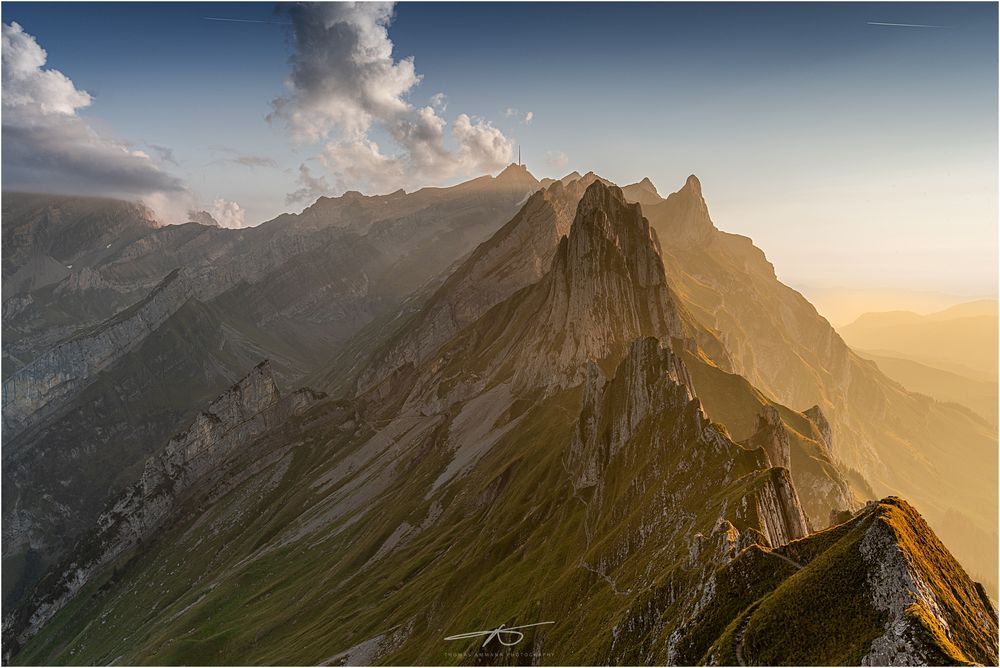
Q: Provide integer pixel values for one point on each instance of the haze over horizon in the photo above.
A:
(885, 177)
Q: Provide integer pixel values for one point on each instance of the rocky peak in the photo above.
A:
(606, 288)
(822, 424)
(643, 192)
(572, 176)
(693, 185)
(685, 215)
(516, 176)
(770, 434)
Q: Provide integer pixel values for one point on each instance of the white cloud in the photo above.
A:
(556, 159)
(343, 74)
(482, 147)
(48, 146)
(345, 85)
(525, 118)
(439, 101)
(228, 214)
(310, 187)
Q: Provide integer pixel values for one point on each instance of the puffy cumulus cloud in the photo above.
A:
(556, 159)
(228, 214)
(482, 147)
(361, 163)
(343, 75)
(311, 187)
(345, 86)
(48, 146)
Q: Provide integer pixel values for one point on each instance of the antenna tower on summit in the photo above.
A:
(518, 155)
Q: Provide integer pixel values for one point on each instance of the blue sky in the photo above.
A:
(853, 154)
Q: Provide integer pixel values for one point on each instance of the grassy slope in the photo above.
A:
(734, 402)
(827, 601)
(514, 544)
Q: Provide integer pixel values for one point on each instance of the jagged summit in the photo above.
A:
(643, 192)
(693, 184)
(606, 287)
(684, 215)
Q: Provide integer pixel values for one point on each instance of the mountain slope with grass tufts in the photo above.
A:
(549, 464)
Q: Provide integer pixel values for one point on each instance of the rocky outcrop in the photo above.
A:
(606, 288)
(651, 393)
(643, 192)
(651, 380)
(778, 509)
(934, 613)
(50, 379)
(518, 255)
(247, 410)
(690, 223)
(822, 424)
(770, 434)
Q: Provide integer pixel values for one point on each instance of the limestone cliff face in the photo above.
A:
(650, 379)
(250, 408)
(67, 367)
(779, 510)
(770, 434)
(606, 288)
(518, 255)
(649, 403)
(819, 419)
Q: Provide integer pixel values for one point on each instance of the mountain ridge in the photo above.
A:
(575, 464)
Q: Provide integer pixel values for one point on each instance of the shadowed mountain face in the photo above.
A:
(142, 325)
(531, 452)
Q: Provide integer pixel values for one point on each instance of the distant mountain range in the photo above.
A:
(576, 410)
(961, 339)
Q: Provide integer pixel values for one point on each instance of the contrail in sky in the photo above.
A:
(903, 25)
(216, 18)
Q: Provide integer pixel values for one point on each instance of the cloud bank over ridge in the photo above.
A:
(46, 141)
